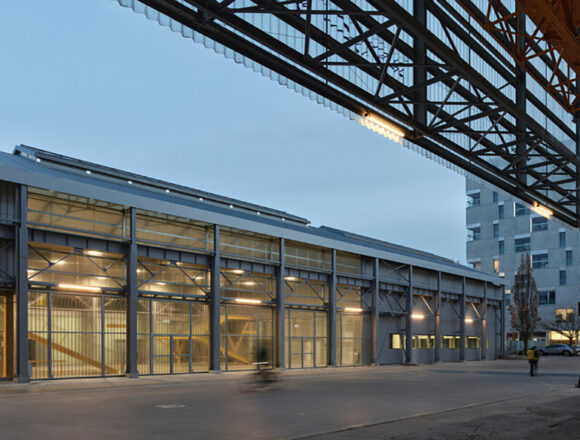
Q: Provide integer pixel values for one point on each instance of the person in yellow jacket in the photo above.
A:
(533, 356)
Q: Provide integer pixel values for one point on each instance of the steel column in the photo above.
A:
(22, 373)
(521, 102)
(281, 309)
(332, 313)
(484, 322)
(375, 313)
(214, 320)
(502, 324)
(577, 120)
(131, 370)
(437, 319)
(462, 321)
(419, 70)
(409, 320)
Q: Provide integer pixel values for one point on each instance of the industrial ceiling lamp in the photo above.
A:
(541, 210)
(382, 127)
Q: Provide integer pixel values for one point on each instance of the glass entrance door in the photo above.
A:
(302, 352)
(170, 354)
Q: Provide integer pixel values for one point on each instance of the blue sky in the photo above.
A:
(96, 81)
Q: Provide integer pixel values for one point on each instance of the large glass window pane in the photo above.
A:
(539, 261)
(38, 334)
(252, 246)
(237, 283)
(305, 292)
(172, 277)
(307, 256)
(64, 212)
(305, 342)
(522, 244)
(353, 339)
(64, 265)
(539, 224)
(245, 332)
(76, 344)
(179, 338)
(172, 231)
(348, 263)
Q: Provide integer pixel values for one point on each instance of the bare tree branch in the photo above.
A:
(524, 307)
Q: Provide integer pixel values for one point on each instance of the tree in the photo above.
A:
(524, 306)
(567, 324)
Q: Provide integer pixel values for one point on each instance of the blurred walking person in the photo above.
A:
(533, 357)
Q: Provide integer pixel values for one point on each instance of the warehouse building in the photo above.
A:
(105, 273)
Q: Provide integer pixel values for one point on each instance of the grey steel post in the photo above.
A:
(577, 120)
(437, 320)
(332, 313)
(419, 70)
(214, 320)
(375, 313)
(409, 320)
(281, 309)
(462, 321)
(484, 322)
(22, 373)
(502, 324)
(131, 370)
(521, 99)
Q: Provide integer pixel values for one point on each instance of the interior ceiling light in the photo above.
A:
(353, 309)
(541, 210)
(247, 301)
(94, 253)
(417, 316)
(382, 127)
(249, 283)
(79, 288)
(238, 271)
(289, 278)
(468, 320)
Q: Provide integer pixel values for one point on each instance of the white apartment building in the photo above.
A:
(501, 229)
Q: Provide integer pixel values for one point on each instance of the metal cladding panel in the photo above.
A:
(7, 263)
(24, 171)
(8, 202)
(386, 355)
(474, 288)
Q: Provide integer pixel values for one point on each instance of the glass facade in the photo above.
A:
(170, 277)
(77, 214)
(353, 341)
(77, 302)
(249, 246)
(76, 335)
(5, 337)
(348, 263)
(310, 257)
(246, 336)
(54, 265)
(173, 336)
(306, 341)
(301, 291)
(173, 232)
(237, 283)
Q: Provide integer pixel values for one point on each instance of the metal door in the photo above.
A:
(170, 354)
(302, 352)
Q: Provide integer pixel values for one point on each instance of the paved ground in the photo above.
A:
(471, 400)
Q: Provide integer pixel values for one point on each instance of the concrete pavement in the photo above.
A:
(328, 403)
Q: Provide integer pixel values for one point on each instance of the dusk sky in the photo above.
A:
(96, 81)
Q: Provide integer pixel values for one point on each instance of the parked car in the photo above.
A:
(561, 349)
(576, 349)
